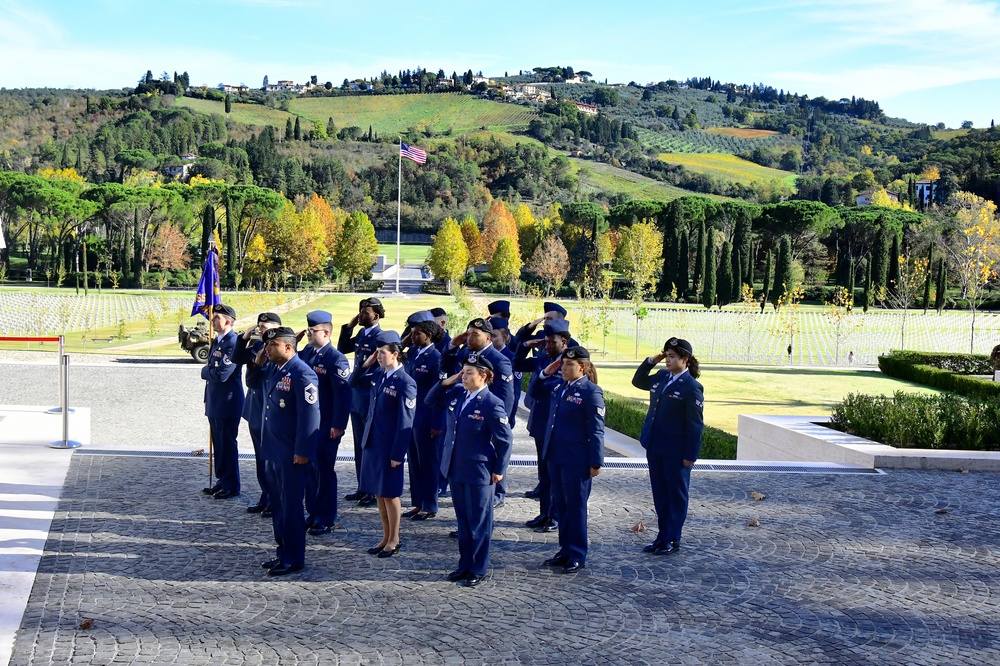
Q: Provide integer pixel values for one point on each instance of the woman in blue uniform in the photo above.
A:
(671, 436)
(573, 448)
(423, 364)
(476, 451)
(387, 434)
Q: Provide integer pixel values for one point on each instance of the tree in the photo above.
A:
(331, 220)
(297, 131)
(640, 260)
(506, 263)
(258, 261)
(699, 258)
(867, 293)
(927, 282)
(248, 207)
(295, 239)
(941, 288)
(550, 263)
(168, 250)
(904, 289)
(448, 258)
(708, 279)
(893, 274)
(356, 248)
(737, 270)
(473, 241)
(725, 274)
(229, 104)
(766, 285)
(782, 271)
(497, 224)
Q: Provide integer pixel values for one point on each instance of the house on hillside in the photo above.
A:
(865, 198)
(588, 109)
(481, 79)
(226, 87)
(179, 171)
(926, 189)
(290, 86)
(444, 83)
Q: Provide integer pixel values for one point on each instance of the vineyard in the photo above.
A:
(728, 168)
(698, 141)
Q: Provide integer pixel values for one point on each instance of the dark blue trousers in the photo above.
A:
(288, 482)
(571, 485)
(358, 430)
(545, 504)
(321, 482)
(424, 460)
(260, 467)
(226, 452)
(669, 480)
(474, 511)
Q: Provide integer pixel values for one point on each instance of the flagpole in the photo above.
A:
(399, 207)
(211, 443)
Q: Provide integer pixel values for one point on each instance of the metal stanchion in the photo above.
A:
(65, 442)
(63, 383)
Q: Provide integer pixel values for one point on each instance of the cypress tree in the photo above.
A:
(867, 294)
(893, 277)
(229, 104)
(708, 279)
(880, 255)
(230, 240)
(742, 245)
(297, 132)
(288, 129)
(699, 259)
(783, 270)
(683, 259)
(737, 293)
(724, 279)
(766, 286)
(927, 280)
(207, 225)
(942, 286)
(850, 278)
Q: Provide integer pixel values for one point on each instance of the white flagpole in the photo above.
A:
(399, 205)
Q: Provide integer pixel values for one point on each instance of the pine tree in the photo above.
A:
(783, 270)
(699, 259)
(942, 286)
(927, 281)
(725, 274)
(708, 278)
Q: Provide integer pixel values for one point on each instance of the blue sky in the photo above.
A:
(925, 60)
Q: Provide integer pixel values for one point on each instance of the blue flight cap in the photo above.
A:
(419, 316)
(499, 322)
(478, 361)
(496, 307)
(556, 327)
(317, 317)
(387, 338)
(549, 306)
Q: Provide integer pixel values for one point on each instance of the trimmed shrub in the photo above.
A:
(626, 415)
(947, 372)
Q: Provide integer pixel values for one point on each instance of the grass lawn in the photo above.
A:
(728, 167)
(600, 177)
(247, 114)
(730, 391)
(411, 255)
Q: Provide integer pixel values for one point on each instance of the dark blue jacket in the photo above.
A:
(675, 420)
(478, 440)
(362, 346)
(291, 412)
(517, 374)
(575, 431)
(538, 416)
(333, 373)
(425, 369)
(253, 405)
(390, 418)
(223, 381)
(503, 375)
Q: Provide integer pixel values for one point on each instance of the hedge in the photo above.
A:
(626, 415)
(947, 372)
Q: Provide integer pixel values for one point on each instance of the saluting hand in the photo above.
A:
(531, 344)
(406, 340)
(659, 357)
(533, 325)
(369, 361)
(552, 367)
(301, 334)
(260, 358)
(247, 334)
(459, 339)
(450, 381)
(354, 320)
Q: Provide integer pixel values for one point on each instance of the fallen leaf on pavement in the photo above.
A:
(198, 452)
(86, 624)
(757, 496)
(941, 511)
(638, 527)
(753, 522)
(962, 470)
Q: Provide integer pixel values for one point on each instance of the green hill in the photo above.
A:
(256, 115)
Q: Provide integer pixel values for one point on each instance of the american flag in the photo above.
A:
(412, 153)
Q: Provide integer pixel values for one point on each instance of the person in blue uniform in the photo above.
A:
(441, 319)
(499, 309)
(477, 338)
(224, 404)
(499, 338)
(288, 440)
(555, 342)
(671, 435)
(250, 354)
(362, 345)
(574, 448)
(478, 441)
(423, 364)
(387, 434)
(332, 372)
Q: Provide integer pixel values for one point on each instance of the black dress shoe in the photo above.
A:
(457, 575)
(537, 521)
(412, 512)
(424, 516)
(266, 513)
(310, 521)
(534, 493)
(548, 526)
(353, 497)
(472, 580)
(389, 553)
(225, 494)
(453, 534)
(270, 564)
(573, 567)
(256, 508)
(318, 529)
(651, 547)
(557, 561)
(667, 548)
(284, 569)
(211, 491)
(367, 500)
(375, 550)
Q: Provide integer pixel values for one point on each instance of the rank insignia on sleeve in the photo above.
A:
(411, 403)
(443, 375)
(344, 373)
(600, 412)
(507, 378)
(311, 393)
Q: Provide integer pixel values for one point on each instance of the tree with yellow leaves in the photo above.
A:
(498, 223)
(473, 241)
(506, 263)
(296, 240)
(448, 258)
(331, 219)
(258, 262)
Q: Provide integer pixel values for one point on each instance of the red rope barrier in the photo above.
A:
(17, 339)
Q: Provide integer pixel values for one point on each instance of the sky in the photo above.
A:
(924, 60)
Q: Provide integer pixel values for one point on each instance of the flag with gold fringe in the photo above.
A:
(209, 291)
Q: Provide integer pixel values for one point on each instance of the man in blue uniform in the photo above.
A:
(288, 438)
(441, 319)
(500, 337)
(671, 435)
(554, 343)
(478, 441)
(362, 345)
(249, 353)
(332, 372)
(223, 404)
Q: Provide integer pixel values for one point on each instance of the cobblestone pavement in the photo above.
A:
(843, 569)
